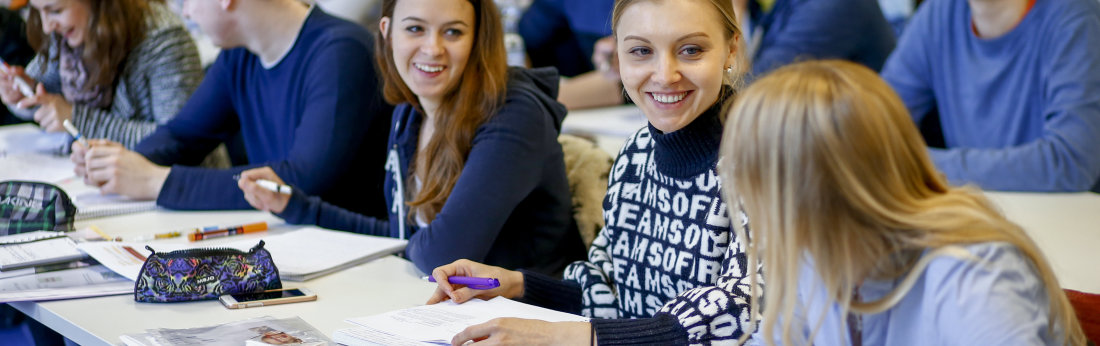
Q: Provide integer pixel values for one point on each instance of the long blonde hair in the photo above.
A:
(830, 168)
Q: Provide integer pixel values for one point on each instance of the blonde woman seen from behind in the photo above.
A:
(863, 240)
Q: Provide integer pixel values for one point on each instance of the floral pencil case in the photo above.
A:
(202, 274)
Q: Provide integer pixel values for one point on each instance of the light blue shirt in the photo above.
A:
(997, 299)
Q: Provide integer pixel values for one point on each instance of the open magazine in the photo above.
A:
(251, 332)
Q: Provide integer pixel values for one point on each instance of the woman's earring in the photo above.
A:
(729, 69)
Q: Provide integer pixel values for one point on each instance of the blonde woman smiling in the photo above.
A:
(666, 268)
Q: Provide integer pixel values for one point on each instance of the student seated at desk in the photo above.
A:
(788, 31)
(863, 241)
(292, 80)
(666, 269)
(475, 169)
(573, 36)
(1016, 84)
(116, 69)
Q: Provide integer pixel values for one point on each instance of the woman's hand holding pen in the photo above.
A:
(52, 111)
(511, 282)
(259, 197)
(115, 169)
(9, 91)
(502, 331)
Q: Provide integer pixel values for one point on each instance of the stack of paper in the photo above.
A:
(300, 255)
(91, 281)
(37, 248)
(259, 331)
(437, 324)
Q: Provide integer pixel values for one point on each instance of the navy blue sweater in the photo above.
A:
(794, 30)
(562, 33)
(511, 206)
(317, 118)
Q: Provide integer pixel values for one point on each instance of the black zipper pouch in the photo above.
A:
(204, 274)
(27, 206)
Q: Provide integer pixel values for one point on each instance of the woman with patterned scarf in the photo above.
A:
(114, 68)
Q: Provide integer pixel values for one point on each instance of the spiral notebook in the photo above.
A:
(91, 203)
(90, 206)
(36, 248)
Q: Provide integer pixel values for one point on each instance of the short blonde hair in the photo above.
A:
(829, 165)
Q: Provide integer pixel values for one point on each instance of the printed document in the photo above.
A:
(438, 323)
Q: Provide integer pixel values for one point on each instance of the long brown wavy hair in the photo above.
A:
(114, 29)
(478, 95)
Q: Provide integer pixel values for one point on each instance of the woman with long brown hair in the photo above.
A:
(474, 167)
(115, 68)
(862, 239)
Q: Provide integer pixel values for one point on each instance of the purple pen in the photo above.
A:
(472, 282)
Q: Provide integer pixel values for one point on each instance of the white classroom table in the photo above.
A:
(386, 284)
(1066, 227)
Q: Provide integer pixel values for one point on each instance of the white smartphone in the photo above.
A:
(265, 298)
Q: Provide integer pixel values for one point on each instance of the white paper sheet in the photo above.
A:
(438, 323)
(35, 167)
(64, 284)
(117, 258)
(39, 252)
(299, 255)
(30, 139)
(305, 253)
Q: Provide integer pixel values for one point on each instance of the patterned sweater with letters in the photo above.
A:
(667, 267)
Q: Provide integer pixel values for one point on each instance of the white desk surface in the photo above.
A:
(1066, 227)
(382, 285)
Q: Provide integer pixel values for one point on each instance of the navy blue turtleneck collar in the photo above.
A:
(692, 150)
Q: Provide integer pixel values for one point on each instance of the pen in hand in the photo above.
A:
(20, 83)
(269, 185)
(471, 282)
(273, 186)
(68, 125)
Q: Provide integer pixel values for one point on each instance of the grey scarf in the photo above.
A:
(74, 78)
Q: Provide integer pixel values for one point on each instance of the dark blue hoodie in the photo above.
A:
(511, 206)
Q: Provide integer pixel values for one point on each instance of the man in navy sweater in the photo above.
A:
(788, 31)
(298, 86)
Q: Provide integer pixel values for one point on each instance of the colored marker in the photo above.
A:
(68, 125)
(158, 236)
(225, 232)
(273, 186)
(471, 282)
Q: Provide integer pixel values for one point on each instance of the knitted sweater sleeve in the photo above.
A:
(165, 71)
(702, 315)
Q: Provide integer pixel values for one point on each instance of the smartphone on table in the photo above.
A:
(269, 297)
